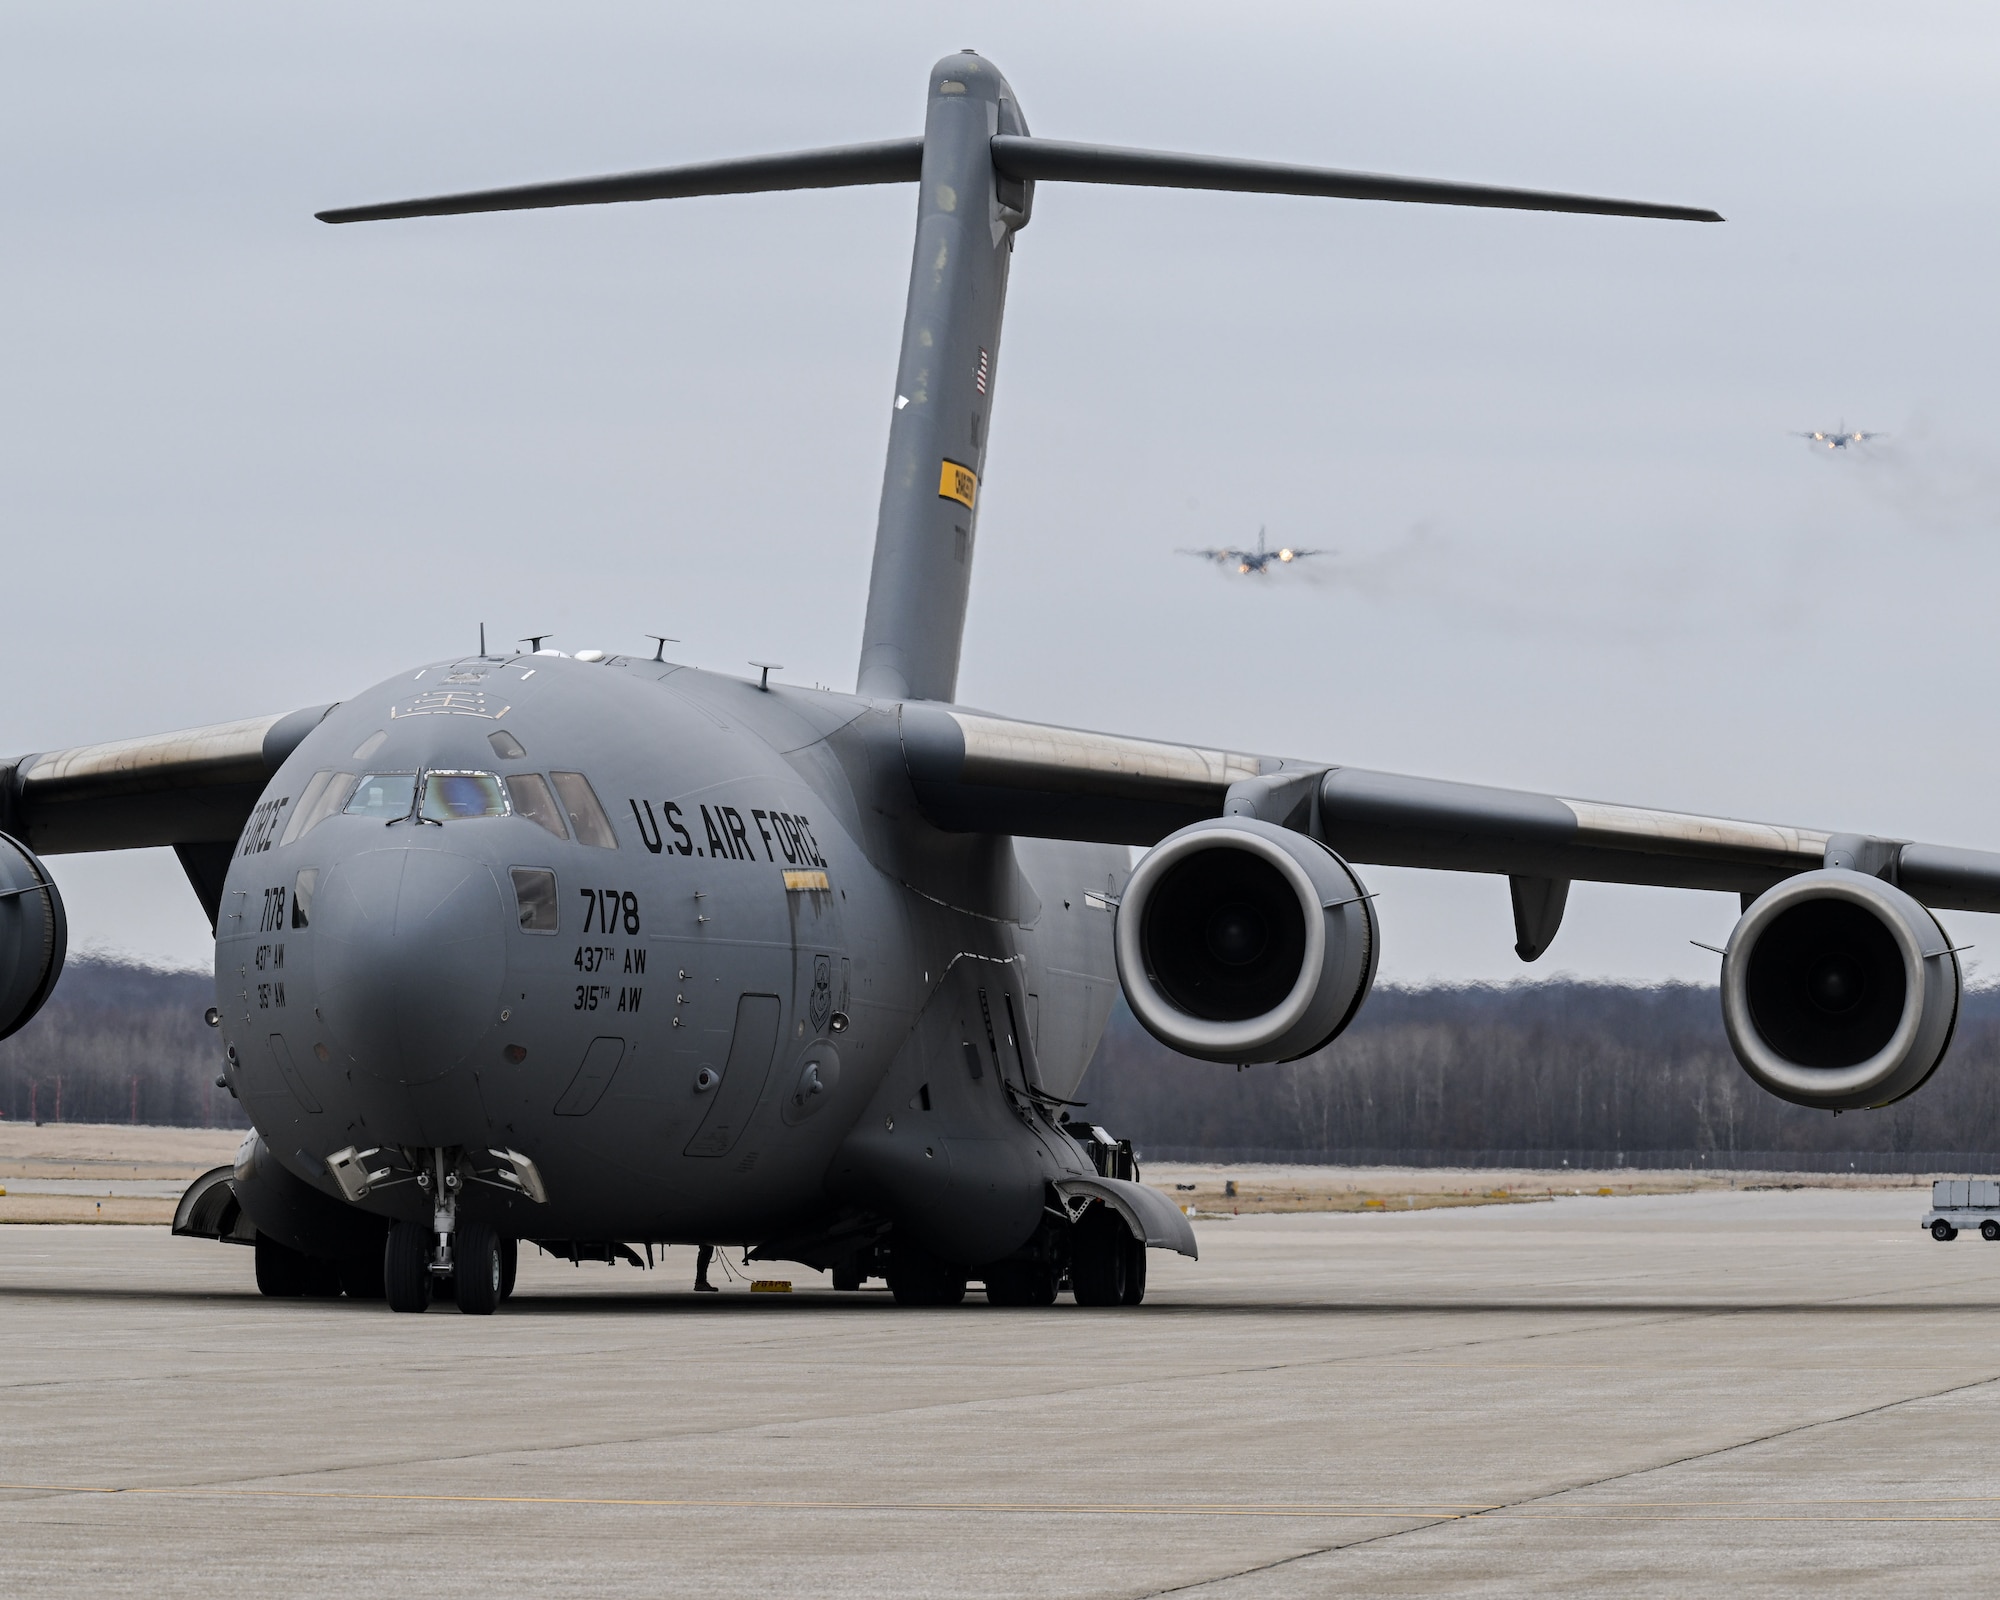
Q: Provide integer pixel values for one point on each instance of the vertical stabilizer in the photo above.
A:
(967, 216)
(975, 168)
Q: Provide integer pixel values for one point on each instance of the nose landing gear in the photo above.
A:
(472, 1258)
(478, 1279)
(406, 1267)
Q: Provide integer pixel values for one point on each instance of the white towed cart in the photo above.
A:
(1963, 1203)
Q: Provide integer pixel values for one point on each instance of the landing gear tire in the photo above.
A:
(406, 1267)
(281, 1270)
(480, 1280)
(918, 1278)
(321, 1280)
(1020, 1283)
(847, 1275)
(510, 1267)
(1135, 1271)
(1107, 1266)
(1941, 1231)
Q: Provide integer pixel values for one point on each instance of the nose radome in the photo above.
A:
(411, 960)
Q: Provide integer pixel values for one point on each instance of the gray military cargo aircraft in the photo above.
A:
(1839, 439)
(1258, 561)
(604, 954)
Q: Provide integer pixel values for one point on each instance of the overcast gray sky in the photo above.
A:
(249, 462)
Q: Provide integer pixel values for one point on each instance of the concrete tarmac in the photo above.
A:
(1742, 1393)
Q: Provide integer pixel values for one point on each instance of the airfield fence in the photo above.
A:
(1881, 1162)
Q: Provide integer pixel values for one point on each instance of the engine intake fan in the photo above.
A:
(1839, 991)
(1240, 941)
(34, 935)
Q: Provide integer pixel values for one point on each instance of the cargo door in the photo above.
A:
(751, 1049)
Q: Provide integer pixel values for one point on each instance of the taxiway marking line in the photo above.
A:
(1659, 1511)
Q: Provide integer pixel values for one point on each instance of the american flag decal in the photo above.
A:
(979, 377)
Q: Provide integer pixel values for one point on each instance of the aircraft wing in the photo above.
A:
(193, 790)
(196, 786)
(972, 772)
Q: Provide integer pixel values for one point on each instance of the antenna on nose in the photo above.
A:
(767, 668)
(662, 641)
(534, 642)
(482, 641)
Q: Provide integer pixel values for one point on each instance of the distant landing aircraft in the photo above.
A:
(1839, 439)
(1258, 560)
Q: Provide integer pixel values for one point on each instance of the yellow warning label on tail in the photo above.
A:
(958, 483)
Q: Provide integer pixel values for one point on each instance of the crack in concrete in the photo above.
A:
(1491, 1513)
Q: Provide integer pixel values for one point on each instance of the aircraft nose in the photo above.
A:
(412, 959)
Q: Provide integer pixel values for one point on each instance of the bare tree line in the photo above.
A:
(1553, 1066)
(119, 1043)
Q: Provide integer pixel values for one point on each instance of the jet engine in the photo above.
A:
(1240, 941)
(1838, 991)
(34, 935)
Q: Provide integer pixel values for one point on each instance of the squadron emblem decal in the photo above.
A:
(820, 1006)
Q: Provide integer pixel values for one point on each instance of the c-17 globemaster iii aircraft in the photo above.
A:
(604, 954)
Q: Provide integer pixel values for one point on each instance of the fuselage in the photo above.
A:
(678, 939)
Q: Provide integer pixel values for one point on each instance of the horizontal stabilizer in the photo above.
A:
(1054, 160)
(844, 166)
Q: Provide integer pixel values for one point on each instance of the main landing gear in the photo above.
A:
(287, 1274)
(1107, 1266)
(1096, 1257)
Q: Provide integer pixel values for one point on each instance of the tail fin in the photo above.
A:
(976, 166)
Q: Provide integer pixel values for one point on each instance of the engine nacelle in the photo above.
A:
(1839, 991)
(1240, 941)
(34, 935)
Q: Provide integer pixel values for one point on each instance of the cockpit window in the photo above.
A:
(384, 796)
(371, 744)
(325, 793)
(535, 895)
(302, 897)
(459, 796)
(505, 745)
(315, 787)
(586, 816)
(530, 793)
